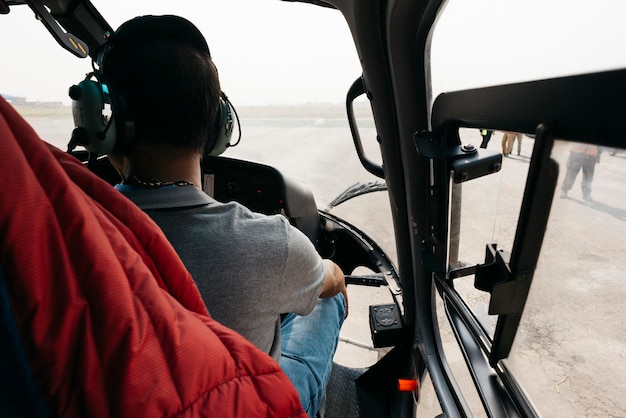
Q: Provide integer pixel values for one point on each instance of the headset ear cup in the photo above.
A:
(223, 130)
(100, 134)
(93, 129)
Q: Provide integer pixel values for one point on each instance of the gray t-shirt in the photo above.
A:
(249, 268)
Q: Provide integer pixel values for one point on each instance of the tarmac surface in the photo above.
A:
(569, 352)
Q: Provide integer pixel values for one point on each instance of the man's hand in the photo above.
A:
(335, 282)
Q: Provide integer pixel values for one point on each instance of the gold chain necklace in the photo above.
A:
(154, 183)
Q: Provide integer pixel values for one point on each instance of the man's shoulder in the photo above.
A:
(166, 204)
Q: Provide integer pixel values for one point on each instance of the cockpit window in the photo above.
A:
(568, 350)
(566, 353)
(482, 43)
(570, 344)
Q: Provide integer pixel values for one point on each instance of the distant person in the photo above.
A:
(486, 134)
(581, 157)
(508, 139)
(250, 268)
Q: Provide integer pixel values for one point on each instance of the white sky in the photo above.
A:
(484, 42)
(269, 51)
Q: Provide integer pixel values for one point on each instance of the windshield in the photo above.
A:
(287, 81)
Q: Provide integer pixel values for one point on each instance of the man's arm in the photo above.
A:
(334, 282)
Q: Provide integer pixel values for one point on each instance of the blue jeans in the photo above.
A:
(308, 344)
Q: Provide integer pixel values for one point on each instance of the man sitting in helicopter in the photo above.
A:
(251, 269)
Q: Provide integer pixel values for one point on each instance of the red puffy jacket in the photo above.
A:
(111, 321)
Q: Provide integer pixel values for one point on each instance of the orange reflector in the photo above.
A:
(407, 385)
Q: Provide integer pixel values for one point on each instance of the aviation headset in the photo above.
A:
(100, 133)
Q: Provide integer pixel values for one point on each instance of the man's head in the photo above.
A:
(161, 67)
